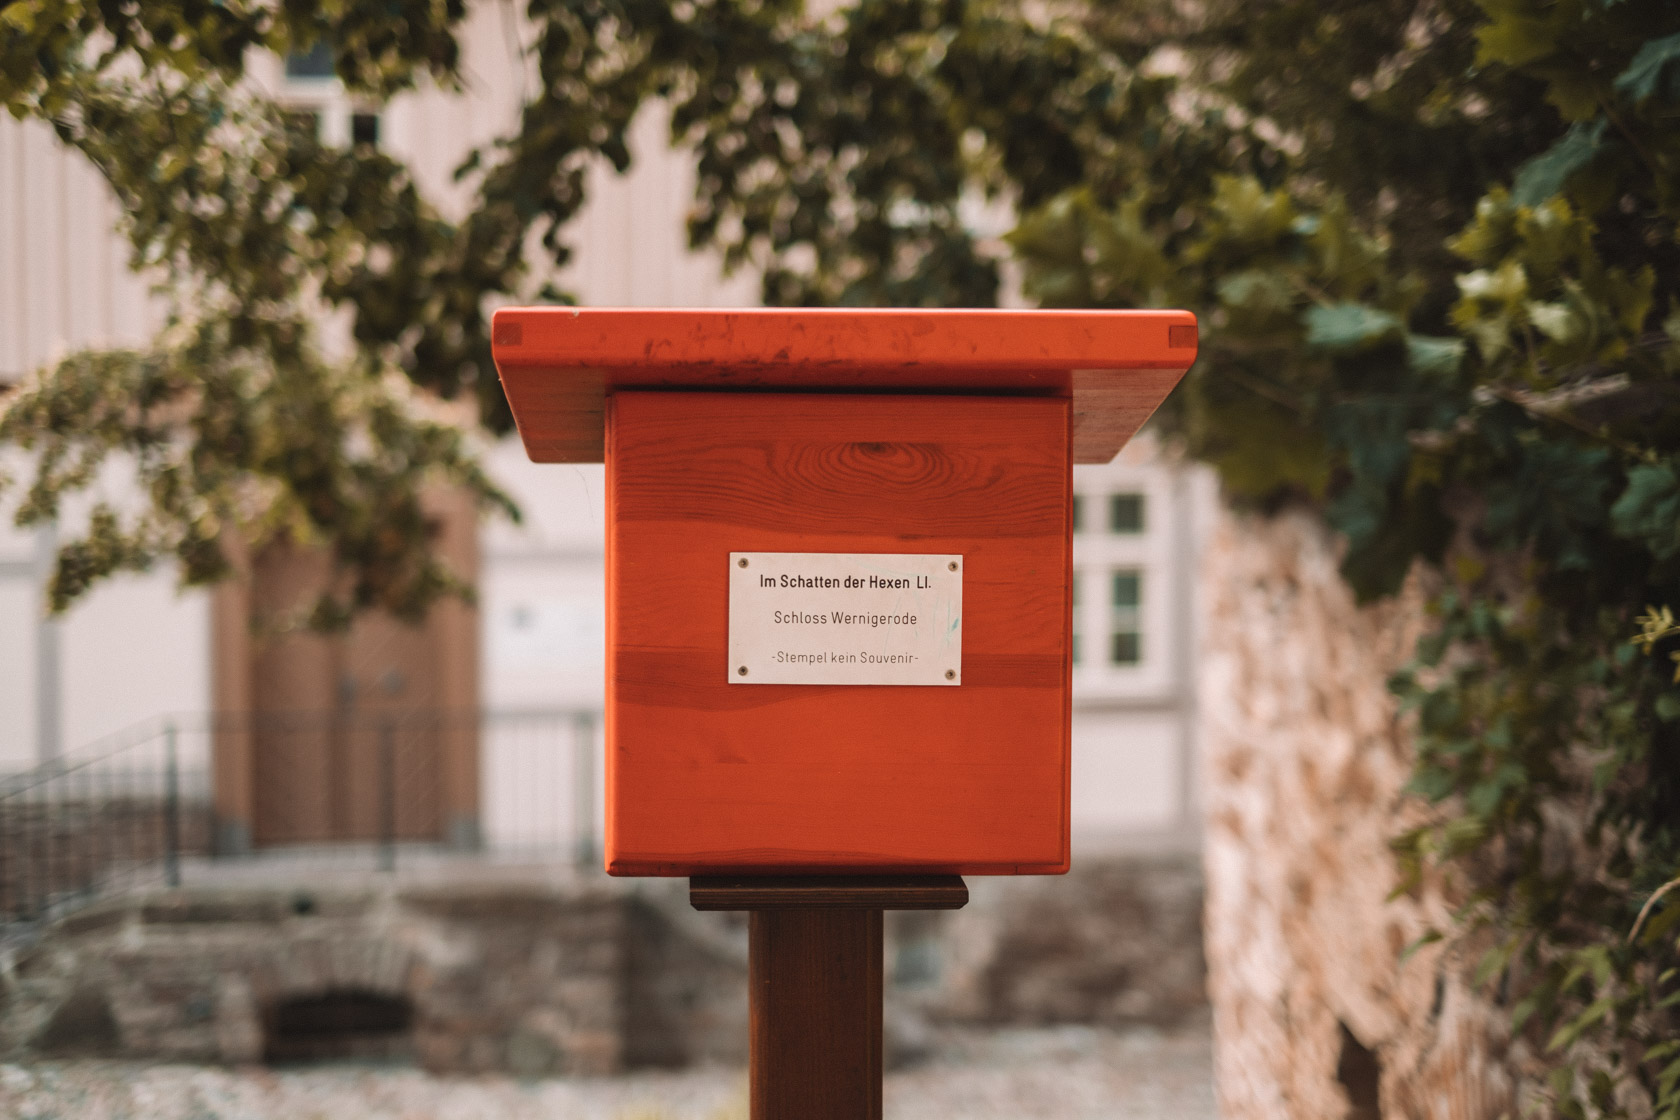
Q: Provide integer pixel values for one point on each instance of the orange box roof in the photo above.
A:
(558, 364)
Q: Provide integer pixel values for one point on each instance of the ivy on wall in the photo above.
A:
(1447, 314)
(1433, 245)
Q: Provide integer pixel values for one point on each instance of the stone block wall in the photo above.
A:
(1318, 1013)
(537, 977)
(1115, 941)
(523, 978)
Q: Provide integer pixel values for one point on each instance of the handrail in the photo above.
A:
(135, 806)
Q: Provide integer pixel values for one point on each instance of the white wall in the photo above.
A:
(64, 277)
(18, 608)
(542, 587)
(135, 649)
(1129, 768)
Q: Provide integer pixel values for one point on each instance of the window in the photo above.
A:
(1125, 513)
(1120, 644)
(317, 101)
(314, 63)
(364, 128)
(1125, 634)
(1111, 554)
(1075, 591)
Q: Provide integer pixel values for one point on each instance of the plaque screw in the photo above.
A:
(950, 674)
(952, 565)
(741, 563)
(742, 671)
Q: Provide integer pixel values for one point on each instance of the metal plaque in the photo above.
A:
(845, 618)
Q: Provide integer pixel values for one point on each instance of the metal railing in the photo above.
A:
(358, 789)
(122, 812)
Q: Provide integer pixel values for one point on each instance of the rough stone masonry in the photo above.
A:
(516, 977)
(535, 976)
(1319, 1012)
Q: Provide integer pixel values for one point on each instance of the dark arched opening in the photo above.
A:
(338, 1025)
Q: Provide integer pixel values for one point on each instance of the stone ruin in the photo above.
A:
(536, 976)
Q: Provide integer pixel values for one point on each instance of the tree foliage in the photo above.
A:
(1446, 311)
(235, 422)
(1433, 244)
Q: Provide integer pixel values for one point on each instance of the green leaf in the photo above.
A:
(1545, 175)
(1429, 938)
(1522, 1012)
(1348, 326)
(1432, 784)
(1516, 38)
(1258, 293)
(1569, 1032)
(1248, 212)
(1668, 707)
(1648, 510)
(1494, 961)
(1439, 356)
(1667, 1078)
(1556, 321)
(1639, 80)
(1507, 284)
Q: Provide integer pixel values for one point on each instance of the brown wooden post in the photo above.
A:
(814, 983)
(814, 978)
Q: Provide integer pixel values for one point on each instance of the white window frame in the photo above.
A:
(1097, 554)
(327, 98)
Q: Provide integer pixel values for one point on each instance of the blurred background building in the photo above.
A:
(481, 728)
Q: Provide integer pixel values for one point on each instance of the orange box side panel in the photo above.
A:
(703, 775)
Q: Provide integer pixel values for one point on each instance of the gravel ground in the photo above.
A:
(1069, 1073)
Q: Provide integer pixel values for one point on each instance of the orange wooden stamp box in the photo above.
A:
(838, 569)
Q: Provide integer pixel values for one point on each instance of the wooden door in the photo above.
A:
(353, 737)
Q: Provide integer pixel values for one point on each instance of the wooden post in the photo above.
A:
(814, 983)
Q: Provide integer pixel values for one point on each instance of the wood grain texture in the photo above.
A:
(814, 1018)
(827, 892)
(1109, 406)
(703, 776)
(558, 364)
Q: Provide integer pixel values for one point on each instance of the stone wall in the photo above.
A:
(539, 977)
(1315, 1015)
(522, 977)
(1116, 941)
